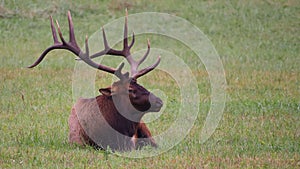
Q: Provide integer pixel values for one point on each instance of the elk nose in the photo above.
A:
(159, 102)
(155, 101)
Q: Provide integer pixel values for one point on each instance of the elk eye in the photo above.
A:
(131, 91)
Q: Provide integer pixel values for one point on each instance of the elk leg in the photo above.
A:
(144, 137)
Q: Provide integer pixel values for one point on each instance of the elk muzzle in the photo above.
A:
(155, 102)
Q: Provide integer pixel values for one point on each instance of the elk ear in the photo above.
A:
(106, 91)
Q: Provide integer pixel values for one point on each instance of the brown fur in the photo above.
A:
(98, 123)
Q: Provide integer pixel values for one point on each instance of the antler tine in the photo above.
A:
(55, 39)
(125, 39)
(146, 54)
(146, 70)
(87, 50)
(107, 50)
(105, 40)
(119, 74)
(60, 34)
(132, 41)
(71, 31)
(106, 46)
(85, 57)
(126, 48)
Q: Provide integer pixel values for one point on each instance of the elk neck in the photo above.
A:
(124, 122)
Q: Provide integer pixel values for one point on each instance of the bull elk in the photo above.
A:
(112, 119)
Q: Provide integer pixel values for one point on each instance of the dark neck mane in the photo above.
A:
(114, 118)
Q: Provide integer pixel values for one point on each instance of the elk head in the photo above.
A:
(141, 100)
(126, 93)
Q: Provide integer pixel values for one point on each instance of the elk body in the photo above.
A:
(112, 119)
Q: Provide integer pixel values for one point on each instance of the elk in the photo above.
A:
(112, 119)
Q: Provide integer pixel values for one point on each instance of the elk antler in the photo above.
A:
(73, 47)
(125, 52)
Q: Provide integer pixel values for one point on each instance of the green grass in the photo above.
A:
(258, 42)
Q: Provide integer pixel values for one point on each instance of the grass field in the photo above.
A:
(258, 43)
